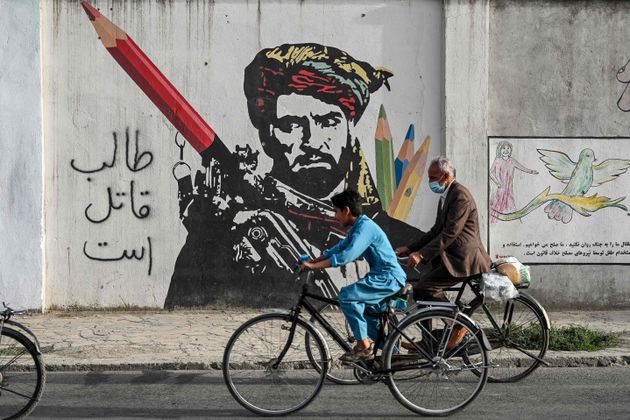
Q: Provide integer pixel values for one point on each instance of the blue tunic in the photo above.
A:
(386, 277)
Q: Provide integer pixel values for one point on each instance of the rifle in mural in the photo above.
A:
(158, 88)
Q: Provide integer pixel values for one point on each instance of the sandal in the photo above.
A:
(357, 355)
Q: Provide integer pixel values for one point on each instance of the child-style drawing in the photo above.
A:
(502, 174)
(623, 76)
(579, 178)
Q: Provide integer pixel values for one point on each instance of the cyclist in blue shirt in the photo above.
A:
(364, 239)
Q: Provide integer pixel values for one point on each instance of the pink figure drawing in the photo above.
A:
(502, 174)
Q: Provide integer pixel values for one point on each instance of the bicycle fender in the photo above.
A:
(24, 329)
(484, 339)
(442, 308)
(407, 319)
(320, 335)
(450, 311)
(540, 308)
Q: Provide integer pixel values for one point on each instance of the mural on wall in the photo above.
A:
(623, 76)
(247, 227)
(555, 232)
(579, 177)
(304, 100)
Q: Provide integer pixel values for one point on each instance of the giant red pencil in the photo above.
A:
(153, 83)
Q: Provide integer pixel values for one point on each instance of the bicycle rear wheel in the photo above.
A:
(433, 356)
(338, 372)
(262, 382)
(518, 334)
(22, 375)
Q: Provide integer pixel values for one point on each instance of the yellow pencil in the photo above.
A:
(406, 192)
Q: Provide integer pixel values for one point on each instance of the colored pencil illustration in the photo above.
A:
(385, 177)
(410, 183)
(405, 154)
(155, 85)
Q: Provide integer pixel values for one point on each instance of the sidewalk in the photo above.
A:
(195, 339)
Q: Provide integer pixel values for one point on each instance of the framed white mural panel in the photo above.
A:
(559, 200)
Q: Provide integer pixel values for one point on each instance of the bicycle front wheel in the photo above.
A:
(434, 358)
(266, 367)
(518, 334)
(22, 375)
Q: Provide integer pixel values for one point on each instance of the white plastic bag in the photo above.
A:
(497, 287)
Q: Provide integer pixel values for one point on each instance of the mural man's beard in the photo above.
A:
(313, 173)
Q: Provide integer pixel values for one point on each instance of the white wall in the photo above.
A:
(21, 157)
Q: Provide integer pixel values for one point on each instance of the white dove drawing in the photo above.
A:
(579, 177)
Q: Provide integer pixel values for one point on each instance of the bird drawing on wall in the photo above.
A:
(579, 177)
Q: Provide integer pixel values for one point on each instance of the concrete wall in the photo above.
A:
(554, 70)
(232, 238)
(511, 69)
(21, 157)
(553, 73)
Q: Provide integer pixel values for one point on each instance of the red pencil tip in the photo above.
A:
(91, 11)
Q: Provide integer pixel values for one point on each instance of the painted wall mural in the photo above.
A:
(304, 100)
(568, 213)
(315, 123)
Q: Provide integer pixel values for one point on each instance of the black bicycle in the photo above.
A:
(517, 329)
(276, 363)
(22, 373)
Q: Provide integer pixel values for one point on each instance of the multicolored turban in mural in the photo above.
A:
(325, 73)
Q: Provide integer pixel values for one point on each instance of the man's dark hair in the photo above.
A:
(350, 199)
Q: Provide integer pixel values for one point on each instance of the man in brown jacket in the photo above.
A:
(453, 245)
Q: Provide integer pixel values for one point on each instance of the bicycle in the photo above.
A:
(517, 329)
(277, 362)
(22, 373)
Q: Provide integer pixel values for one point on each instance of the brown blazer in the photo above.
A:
(455, 236)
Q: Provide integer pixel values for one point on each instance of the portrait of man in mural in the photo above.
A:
(247, 226)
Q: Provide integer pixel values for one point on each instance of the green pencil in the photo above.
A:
(385, 173)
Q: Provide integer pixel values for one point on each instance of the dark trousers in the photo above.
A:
(433, 279)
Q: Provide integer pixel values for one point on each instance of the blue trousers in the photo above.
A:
(357, 297)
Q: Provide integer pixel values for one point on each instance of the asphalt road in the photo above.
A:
(550, 393)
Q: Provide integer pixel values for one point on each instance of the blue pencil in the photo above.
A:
(404, 154)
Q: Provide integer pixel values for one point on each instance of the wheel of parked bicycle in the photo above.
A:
(266, 366)
(22, 374)
(518, 333)
(437, 360)
(338, 372)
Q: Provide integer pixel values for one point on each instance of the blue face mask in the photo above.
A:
(436, 187)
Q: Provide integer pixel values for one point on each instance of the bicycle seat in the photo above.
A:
(398, 300)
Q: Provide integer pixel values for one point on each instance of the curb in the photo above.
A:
(588, 361)
(553, 362)
(100, 367)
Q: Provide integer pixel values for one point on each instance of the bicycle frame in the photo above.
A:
(304, 303)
